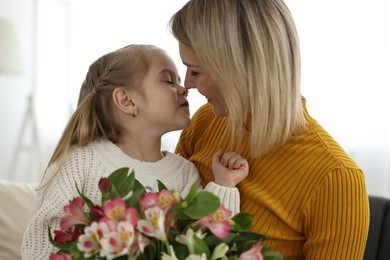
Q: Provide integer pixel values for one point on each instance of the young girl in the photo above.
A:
(130, 98)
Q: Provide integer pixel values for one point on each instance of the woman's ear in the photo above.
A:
(122, 100)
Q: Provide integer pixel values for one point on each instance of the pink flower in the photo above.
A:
(254, 253)
(60, 256)
(115, 209)
(74, 214)
(97, 213)
(132, 216)
(218, 223)
(166, 199)
(149, 200)
(64, 237)
(163, 199)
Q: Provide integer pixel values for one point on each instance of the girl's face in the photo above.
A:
(162, 102)
(198, 77)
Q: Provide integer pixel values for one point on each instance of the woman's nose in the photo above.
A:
(188, 83)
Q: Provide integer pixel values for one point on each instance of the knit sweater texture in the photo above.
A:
(85, 166)
(308, 196)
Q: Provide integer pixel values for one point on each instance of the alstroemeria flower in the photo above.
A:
(60, 256)
(126, 233)
(218, 223)
(150, 199)
(112, 246)
(132, 216)
(153, 225)
(197, 257)
(163, 199)
(74, 214)
(188, 238)
(219, 251)
(166, 199)
(89, 241)
(64, 237)
(119, 242)
(140, 242)
(115, 209)
(97, 213)
(254, 253)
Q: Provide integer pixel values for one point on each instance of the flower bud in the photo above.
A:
(104, 185)
(176, 195)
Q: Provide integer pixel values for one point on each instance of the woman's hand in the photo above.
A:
(229, 168)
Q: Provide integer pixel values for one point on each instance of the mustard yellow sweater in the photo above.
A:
(308, 196)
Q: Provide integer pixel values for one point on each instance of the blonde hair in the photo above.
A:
(93, 119)
(251, 50)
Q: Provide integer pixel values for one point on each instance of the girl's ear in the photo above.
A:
(122, 100)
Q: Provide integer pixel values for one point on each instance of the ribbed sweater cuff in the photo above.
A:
(230, 197)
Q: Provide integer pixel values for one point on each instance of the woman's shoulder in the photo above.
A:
(319, 145)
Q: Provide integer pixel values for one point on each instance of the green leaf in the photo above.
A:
(86, 199)
(181, 251)
(192, 194)
(201, 247)
(272, 255)
(138, 192)
(205, 203)
(246, 236)
(121, 182)
(243, 221)
(161, 186)
(212, 240)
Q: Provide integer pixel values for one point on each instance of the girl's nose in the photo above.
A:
(182, 91)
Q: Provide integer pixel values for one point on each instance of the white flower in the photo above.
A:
(154, 224)
(196, 257)
(166, 256)
(89, 241)
(220, 251)
(188, 238)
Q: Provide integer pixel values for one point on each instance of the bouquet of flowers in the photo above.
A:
(134, 223)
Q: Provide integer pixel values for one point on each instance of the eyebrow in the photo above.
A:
(190, 65)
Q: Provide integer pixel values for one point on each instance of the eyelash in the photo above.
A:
(194, 73)
(171, 83)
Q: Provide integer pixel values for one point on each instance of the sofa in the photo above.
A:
(17, 200)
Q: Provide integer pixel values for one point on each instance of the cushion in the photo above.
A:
(377, 247)
(16, 200)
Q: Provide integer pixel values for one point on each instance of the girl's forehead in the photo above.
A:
(162, 63)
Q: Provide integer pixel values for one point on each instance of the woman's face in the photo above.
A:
(198, 77)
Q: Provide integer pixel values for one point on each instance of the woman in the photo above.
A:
(305, 192)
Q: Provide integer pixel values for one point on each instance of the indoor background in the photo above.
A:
(345, 48)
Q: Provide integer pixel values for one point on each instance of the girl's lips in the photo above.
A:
(185, 104)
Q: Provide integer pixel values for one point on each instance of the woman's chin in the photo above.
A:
(220, 112)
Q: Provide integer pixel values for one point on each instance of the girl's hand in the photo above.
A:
(229, 168)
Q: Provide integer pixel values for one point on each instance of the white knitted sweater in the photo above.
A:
(85, 166)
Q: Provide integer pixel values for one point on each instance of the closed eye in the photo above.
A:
(194, 73)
